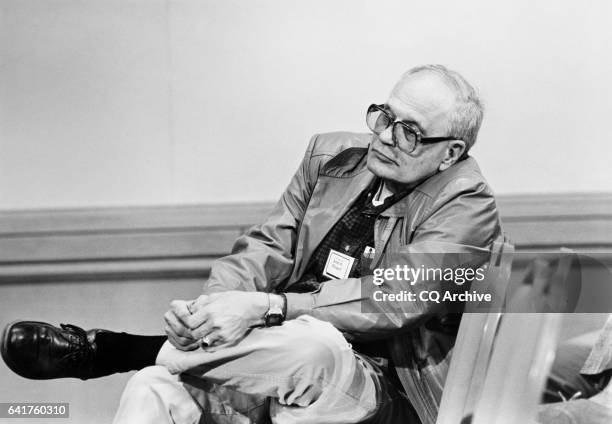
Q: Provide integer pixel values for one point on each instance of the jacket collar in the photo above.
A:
(352, 164)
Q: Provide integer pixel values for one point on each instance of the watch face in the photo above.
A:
(274, 319)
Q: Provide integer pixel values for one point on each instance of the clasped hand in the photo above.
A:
(217, 320)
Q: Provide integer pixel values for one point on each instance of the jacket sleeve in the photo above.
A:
(263, 257)
(457, 234)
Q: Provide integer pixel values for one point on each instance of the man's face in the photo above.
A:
(422, 100)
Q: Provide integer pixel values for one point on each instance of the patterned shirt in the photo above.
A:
(352, 234)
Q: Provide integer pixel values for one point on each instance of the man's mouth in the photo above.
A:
(382, 157)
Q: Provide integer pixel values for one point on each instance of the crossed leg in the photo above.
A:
(301, 372)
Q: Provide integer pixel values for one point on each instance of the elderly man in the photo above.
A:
(286, 329)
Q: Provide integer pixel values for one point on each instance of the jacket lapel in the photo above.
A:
(409, 212)
(331, 198)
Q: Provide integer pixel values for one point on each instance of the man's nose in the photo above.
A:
(386, 136)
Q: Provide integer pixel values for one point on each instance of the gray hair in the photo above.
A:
(467, 115)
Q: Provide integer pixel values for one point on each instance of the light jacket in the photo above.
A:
(448, 220)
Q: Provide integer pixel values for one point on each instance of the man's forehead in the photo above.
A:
(423, 87)
(421, 97)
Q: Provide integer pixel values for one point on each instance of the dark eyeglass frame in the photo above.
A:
(410, 127)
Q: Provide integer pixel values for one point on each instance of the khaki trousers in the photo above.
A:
(303, 371)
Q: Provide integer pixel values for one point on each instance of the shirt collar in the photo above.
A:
(371, 191)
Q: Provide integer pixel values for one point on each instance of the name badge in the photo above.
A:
(338, 265)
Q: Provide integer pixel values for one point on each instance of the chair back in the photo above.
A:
(520, 364)
(475, 338)
(503, 358)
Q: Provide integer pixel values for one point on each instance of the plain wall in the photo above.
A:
(167, 102)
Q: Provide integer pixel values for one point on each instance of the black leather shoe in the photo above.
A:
(41, 351)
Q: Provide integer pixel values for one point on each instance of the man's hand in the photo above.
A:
(219, 319)
(177, 328)
(224, 318)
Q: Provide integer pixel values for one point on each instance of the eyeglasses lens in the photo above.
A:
(377, 120)
(405, 137)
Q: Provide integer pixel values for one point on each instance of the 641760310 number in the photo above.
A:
(34, 409)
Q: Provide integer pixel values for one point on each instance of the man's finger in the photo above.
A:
(176, 325)
(177, 344)
(211, 339)
(190, 313)
(181, 310)
(183, 341)
(219, 342)
(203, 330)
(202, 300)
(199, 317)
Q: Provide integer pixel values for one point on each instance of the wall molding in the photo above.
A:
(94, 244)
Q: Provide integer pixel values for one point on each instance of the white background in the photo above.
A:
(167, 102)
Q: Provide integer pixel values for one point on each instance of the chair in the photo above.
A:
(475, 339)
(527, 341)
(501, 360)
(520, 363)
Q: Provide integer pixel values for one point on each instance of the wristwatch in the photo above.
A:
(277, 309)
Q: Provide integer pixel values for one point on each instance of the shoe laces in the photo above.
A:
(81, 352)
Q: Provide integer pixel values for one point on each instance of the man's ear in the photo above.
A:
(453, 152)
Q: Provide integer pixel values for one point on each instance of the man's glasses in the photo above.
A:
(405, 136)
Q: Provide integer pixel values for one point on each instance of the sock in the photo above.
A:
(122, 352)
